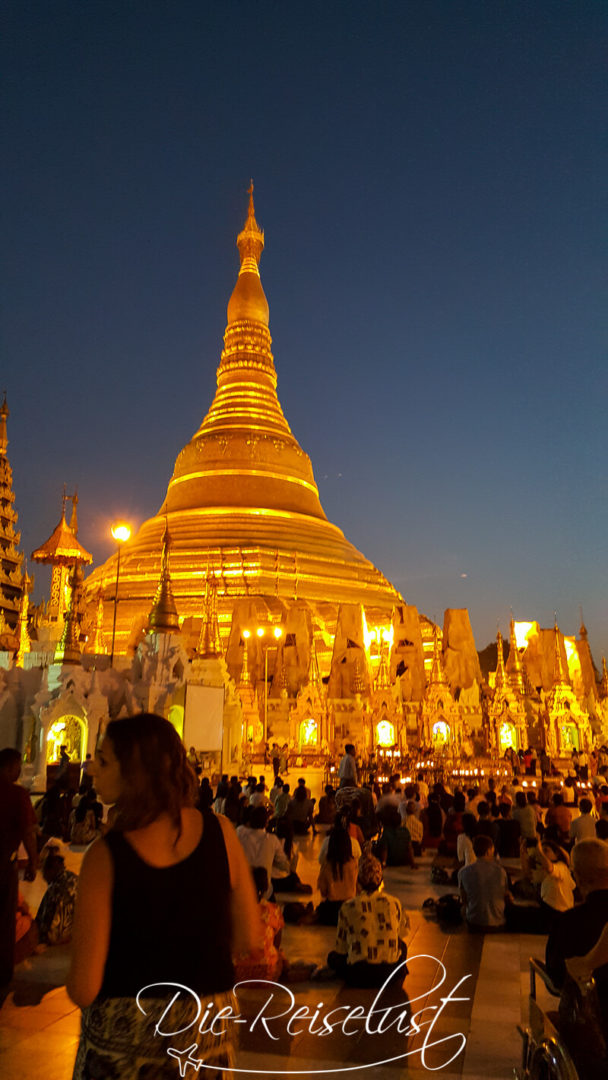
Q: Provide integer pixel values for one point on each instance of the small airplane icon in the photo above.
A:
(185, 1058)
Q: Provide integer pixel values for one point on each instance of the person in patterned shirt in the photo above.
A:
(371, 928)
(55, 918)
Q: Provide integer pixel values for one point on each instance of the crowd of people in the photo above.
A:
(523, 857)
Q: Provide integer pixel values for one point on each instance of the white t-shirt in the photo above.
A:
(557, 888)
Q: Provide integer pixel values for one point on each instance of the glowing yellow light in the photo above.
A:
(260, 631)
(506, 737)
(523, 631)
(385, 733)
(309, 732)
(246, 633)
(121, 532)
(278, 632)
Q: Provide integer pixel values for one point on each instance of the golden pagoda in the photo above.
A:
(63, 551)
(11, 579)
(242, 505)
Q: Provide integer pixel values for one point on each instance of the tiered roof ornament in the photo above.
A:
(11, 582)
(63, 551)
(23, 634)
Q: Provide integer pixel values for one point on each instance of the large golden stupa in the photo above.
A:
(242, 506)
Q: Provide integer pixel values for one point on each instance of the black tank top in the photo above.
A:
(170, 924)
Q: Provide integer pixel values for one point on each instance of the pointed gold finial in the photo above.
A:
(560, 676)
(604, 682)
(248, 302)
(515, 666)
(437, 676)
(209, 642)
(163, 618)
(500, 662)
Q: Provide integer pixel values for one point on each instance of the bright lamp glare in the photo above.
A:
(260, 631)
(277, 632)
(121, 532)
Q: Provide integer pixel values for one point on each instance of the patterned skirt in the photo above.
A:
(119, 1042)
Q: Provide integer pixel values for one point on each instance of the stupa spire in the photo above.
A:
(438, 676)
(209, 642)
(10, 558)
(501, 677)
(515, 666)
(560, 673)
(163, 618)
(22, 626)
(604, 682)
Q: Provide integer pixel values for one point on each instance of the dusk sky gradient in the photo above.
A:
(431, 179)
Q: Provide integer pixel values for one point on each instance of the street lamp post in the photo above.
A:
(121, 534)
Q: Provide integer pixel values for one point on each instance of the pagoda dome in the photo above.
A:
(242, 503)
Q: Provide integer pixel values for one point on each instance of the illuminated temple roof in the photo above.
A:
(62, 547)
(242, 503)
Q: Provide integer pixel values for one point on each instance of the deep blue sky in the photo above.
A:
(431, 180)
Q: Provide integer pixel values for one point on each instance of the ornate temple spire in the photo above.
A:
(61, 551)
(209, 642)
(23, 634)
(438, 676)
(515, 665)
(163, 618)
(604, 682)
(98, 644)
(314, 675)
(245, 676)
(501, 677)
(583, 633)
(10, 558)
(383, 678)
(68, 650)
(560, 673)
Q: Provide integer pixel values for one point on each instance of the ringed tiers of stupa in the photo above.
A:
(242, 507)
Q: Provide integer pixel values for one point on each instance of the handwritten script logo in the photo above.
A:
(280, 1015)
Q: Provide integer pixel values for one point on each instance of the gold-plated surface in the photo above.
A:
(163, 617)
(242, 504)
(62, 548)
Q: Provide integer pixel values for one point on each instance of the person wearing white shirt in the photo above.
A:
(262, 848)
(347, 769)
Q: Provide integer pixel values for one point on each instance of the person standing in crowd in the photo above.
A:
(371, 930)
(347, 769)
(163, 866)
(17, 826)
(276, 760)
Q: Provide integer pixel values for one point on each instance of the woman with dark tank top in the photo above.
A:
(165, 898)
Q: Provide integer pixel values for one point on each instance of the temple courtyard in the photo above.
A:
(39, 1025)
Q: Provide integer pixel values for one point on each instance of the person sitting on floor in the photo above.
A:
(300, 810)
(337, 879)
(557, 820)
(583, 827)
(55, 916)
(282, 802)
(484, 888)
(577, 931)
(557, 886)
(413, 824)
(464, 842)
(267, 961)
(371, 928)
(508, 833)
(394, 848)
(525, 815)
(327, 807)
(432, 819)
(281, 880)
(262, 848)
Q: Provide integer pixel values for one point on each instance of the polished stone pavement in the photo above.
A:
(39, 1025)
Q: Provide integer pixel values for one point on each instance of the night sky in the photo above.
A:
(431, 181)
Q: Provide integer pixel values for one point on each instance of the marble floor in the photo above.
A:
(475, 1036)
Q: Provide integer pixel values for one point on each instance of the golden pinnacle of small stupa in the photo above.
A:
(163, 618)
(500, 662)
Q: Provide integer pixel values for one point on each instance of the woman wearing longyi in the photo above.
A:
(165, 897)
